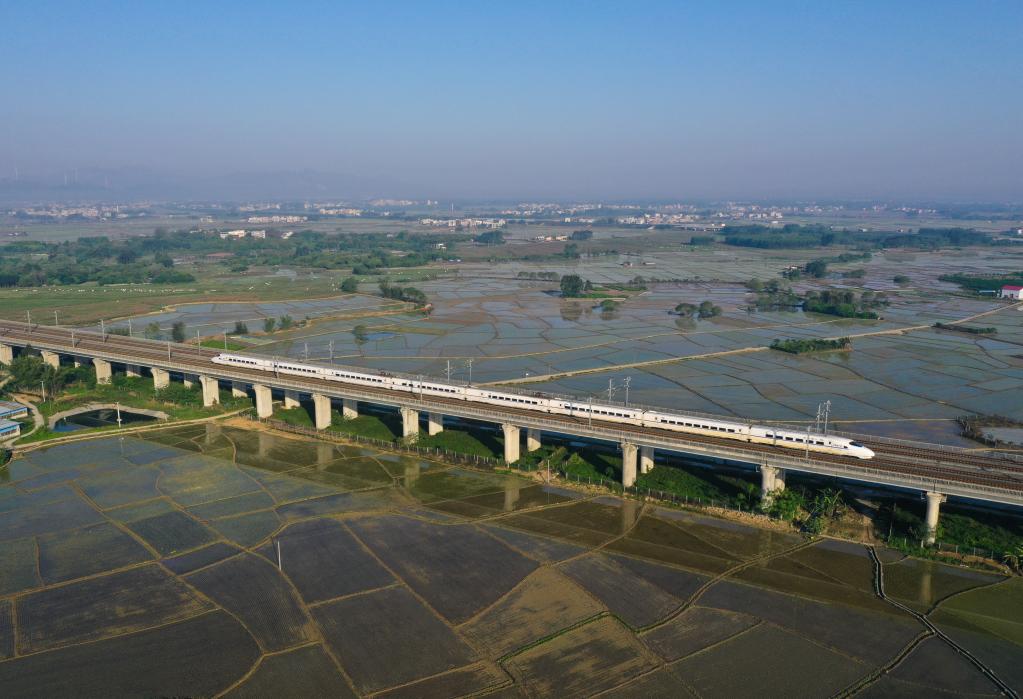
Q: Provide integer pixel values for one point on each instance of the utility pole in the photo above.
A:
(447, 372)
(827, 415)
(468, 363)
(198, 345)
(55, 321)
(130, 333)
(28, 315)
(225, 342)
(627, 380)
(306, 351)
(331, 345)
(168, 349)
(590, 411)
(610, 389)
(102, 329)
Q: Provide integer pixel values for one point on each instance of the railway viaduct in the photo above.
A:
(935, 472)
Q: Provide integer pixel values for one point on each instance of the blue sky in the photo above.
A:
(529, 99)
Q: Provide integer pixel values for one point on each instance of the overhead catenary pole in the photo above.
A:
(627, 381)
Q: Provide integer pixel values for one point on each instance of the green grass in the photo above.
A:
(383, 427)
(232, 345)
(684, 483)
(471, 442)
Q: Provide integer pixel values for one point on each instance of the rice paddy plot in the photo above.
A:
(920, 584)
(539, 548)
(997, 609)
(172, 532)
(994, 651)
(121, 486)
(339, 503)
(352, 628)
(544, 603)
(934, 665)
(323, 560)
(200, 558)
(659, 540)
(284, 489)
(12, 498)
(142, 510)
(741, 540)
(93, 549)
(247, 529)
(634, 600)
(18, 565)
(871, 637)
(304, 672)
(786, 575)
(768, 661)
(430, 558)
(193, 480)
(101, 607)
(346, 474)
(255, 592)
(72, 513)
(517, 495)
(659, 684)
(148, 663)
(584, 661)
(458, 483)
(585, 523)
(238, 504)
(695, 629)
(457, 683)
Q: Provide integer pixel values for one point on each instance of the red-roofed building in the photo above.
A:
(1012, 292)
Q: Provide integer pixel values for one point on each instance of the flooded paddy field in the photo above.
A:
(212, 560)
(903, 378)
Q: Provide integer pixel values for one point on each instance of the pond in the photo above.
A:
(104, 417)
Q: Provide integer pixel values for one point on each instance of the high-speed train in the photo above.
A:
(803, 441)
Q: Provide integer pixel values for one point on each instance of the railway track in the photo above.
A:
(910, 460)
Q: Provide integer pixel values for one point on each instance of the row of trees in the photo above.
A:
(706, 309)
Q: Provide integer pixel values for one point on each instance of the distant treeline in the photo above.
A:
(972, 330)
(816, 345)
(983, 282)
(793, 235)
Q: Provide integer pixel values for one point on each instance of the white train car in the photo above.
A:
(740, 431)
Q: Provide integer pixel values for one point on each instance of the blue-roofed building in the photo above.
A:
(10, 410)
(9, 428)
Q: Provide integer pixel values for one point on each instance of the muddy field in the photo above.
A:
(217, 561)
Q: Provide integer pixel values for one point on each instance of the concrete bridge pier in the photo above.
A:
(532, 439)
(349, 409)
(630, 512)
(51, 358)
(434, 423)
(238, 390)
(324, 454)
(210, 391)
(132, 370)
(188, 380)
(290, 399)
(409, 423)
(6, 354)
(772, 480)
(646, 459)
(103, 371)
(321, 411)
(629, 454)
(264, 400)
(212, 432)
(934, 501)
(161, 378)
(512, 437)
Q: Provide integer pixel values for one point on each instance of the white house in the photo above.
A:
(1012, 292)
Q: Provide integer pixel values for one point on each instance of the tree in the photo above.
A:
(349, 285)
(708, 310)
(490, 238)
(127, 256)
(816, 269)
(608, 305)
(286, 322)
(581, 235)
(571, 251)
(361, 335)
(240, 328)
(269, 325)
(572, 285)
(152, 331)
(178, 331)
(901, 279)
(163, 259)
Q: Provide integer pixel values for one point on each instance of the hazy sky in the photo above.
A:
(529, 99)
